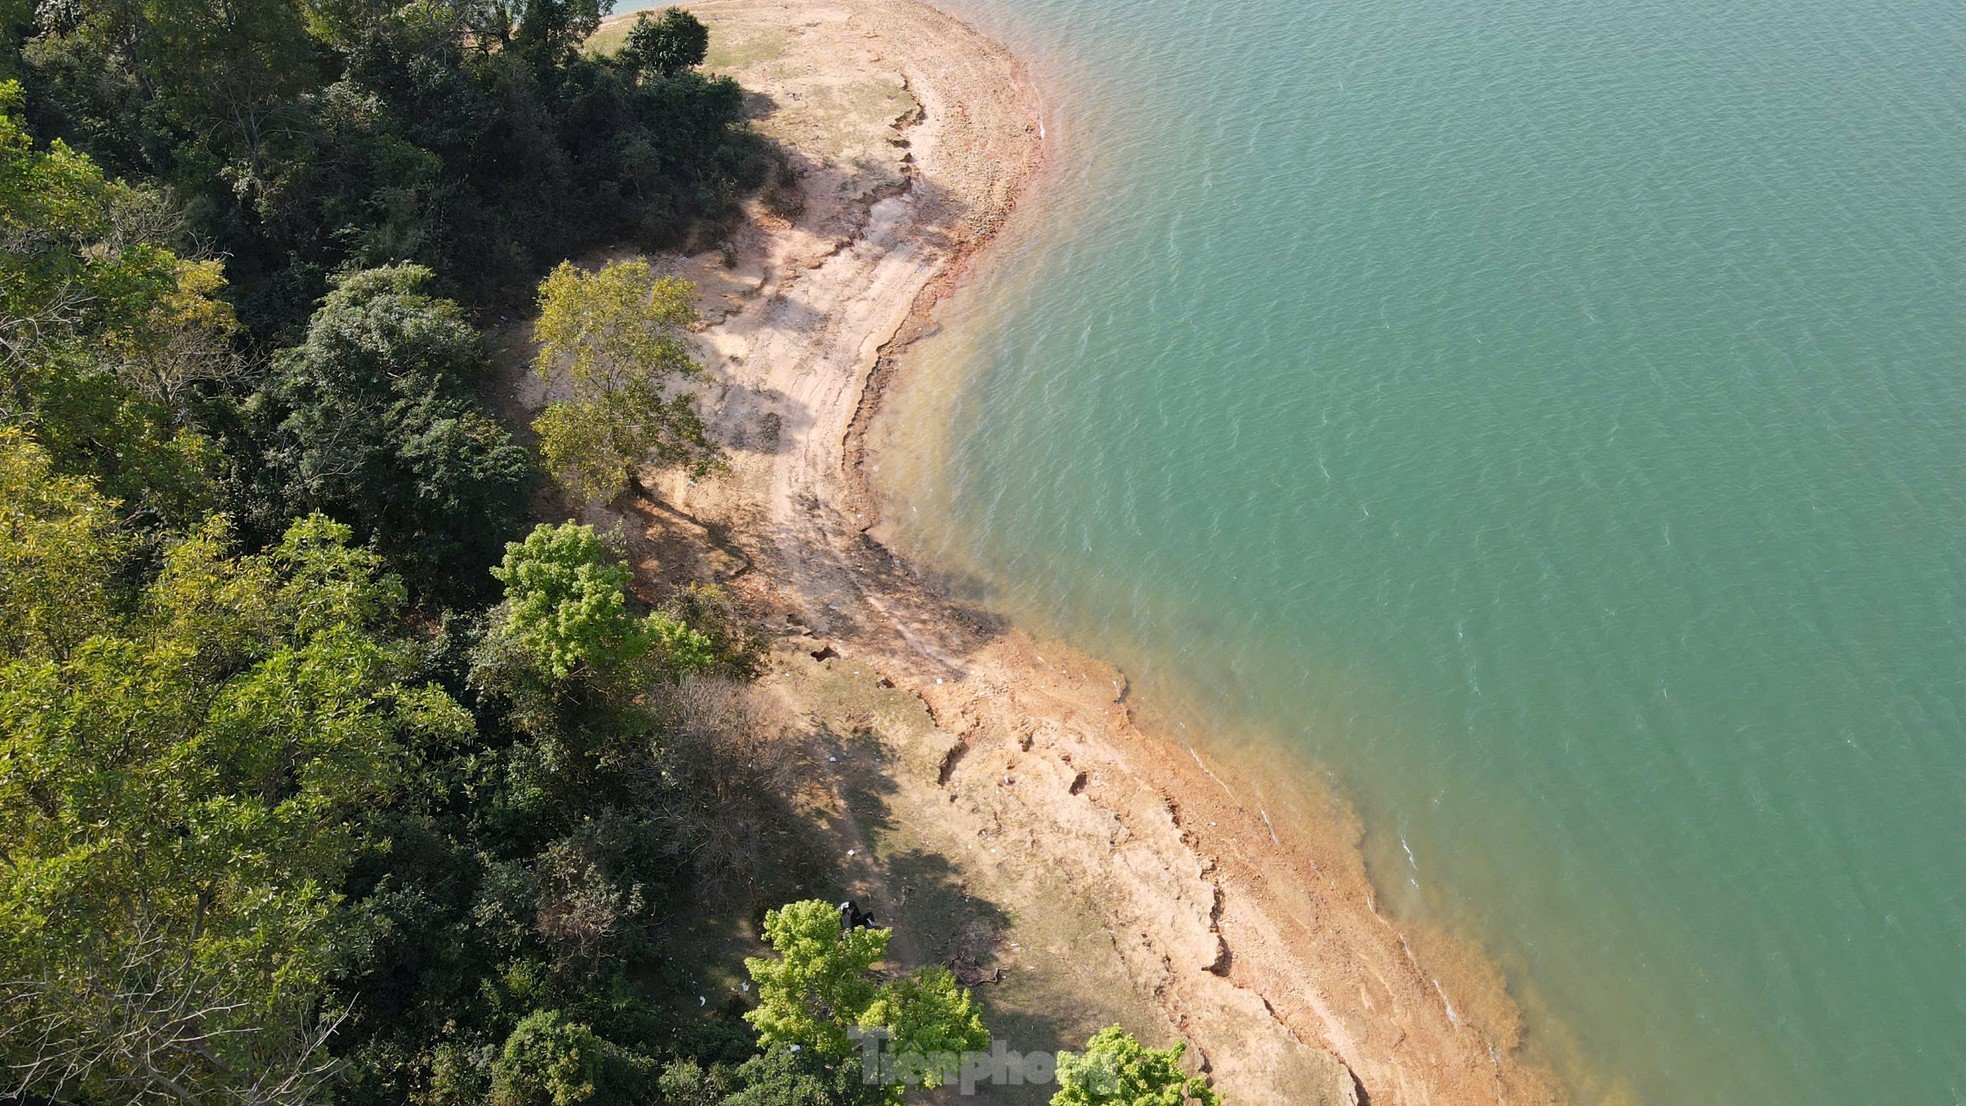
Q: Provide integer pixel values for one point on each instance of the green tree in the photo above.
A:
(611, 346)
(181, 794)
(928, 1014)
(1117, 1070)
(59, 550)
(548, 1060)
(373, 421)
(548, 33)
(103, 331)
(820, 985)
(16, 20)
(210, 98)
(552, 1060)
(666, 45)
(566, 606)
(774, 1077)
(232, 74)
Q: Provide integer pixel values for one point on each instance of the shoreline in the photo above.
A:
(1017, 764)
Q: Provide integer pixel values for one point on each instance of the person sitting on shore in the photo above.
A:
(852, 917)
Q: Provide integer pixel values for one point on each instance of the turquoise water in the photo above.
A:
(1548, 417)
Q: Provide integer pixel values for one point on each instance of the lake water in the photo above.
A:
(1549, 417)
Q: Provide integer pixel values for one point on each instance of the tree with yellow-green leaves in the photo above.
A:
(1117, 1070)
(615, 359)
(185, 778)
(568, 620)
(819, 989)
(104, 331)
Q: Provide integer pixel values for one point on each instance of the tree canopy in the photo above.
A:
(472, 136)
(566, 603)
(184, 781)
(103, 329)
(321, 778)
(1117, 1070)
(372, 418)
(612, 350)
(567, 615)
(667, 44)
(820, 984)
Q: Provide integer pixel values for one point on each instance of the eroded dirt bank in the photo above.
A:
(999, 800)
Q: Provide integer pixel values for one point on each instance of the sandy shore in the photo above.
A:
(1000, 802)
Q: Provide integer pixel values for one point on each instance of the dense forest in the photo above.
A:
(326, 774)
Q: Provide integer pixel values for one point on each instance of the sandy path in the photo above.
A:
(1125, 878)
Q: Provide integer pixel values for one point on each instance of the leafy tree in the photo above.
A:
(566, 604)
(234, 75)
(59, 550)
(548, 1061)
(928, 1014)
(611, 346)
(565, 636)
(1117, 1070)
(222, 81)
(103, 331)
(16, 17)
(774, 1077)
(667, 44)
(211, 100)
(552, 1060)
(373, 422)
(306, 139)
(181, 792)
(820, 984)
(548, 33)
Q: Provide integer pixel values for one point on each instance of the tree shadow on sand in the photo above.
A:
(939, 919)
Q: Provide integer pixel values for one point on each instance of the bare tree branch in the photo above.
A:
(153, 1027)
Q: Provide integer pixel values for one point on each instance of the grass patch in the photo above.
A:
(609, 39)
(732, 45)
